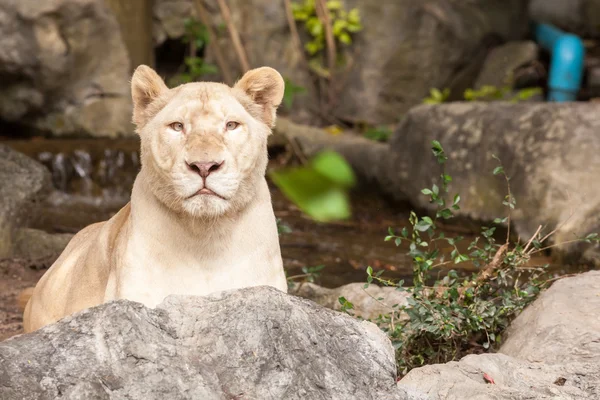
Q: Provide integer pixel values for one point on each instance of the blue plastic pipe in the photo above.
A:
(566, 65)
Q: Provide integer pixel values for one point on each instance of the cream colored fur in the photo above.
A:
(170, 239)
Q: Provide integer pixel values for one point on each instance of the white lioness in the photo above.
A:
(200, 218)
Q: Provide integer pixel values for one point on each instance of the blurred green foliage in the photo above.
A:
(290, 92)
(344, 23)
(485, 93)
(378, 133)
(319, 189)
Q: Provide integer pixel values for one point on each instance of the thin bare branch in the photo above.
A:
(325, 18)
(532, 238)
(235, 36)
(206, 21)
(294, 32)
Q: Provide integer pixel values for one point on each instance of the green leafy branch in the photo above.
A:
(344, 23)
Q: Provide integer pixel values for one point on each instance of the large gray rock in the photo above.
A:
(23, 183)
(64, 67)
(514, 379)
(551, 151)
(561, 326)
(255, 343)
(406, 47)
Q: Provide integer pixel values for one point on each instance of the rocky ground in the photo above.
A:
(260, 343)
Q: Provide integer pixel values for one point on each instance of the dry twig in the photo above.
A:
(235, 36)
(325, 18)
(206, 21)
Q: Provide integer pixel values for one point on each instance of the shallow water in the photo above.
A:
(94, 178)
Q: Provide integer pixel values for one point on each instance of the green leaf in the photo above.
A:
(422, 226)
(354, 27)
(498, 170)
(334, 167)
(313, 193)
(339, 26)
(345, 38)
(354, 16)
(445, 213)
(334, 5)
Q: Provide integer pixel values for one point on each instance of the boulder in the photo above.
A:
(253, 343)
(551, 151)
(23, 183)
(513, 379)
(561, 326)
(64, 68)
(365, 300)
(405, 49)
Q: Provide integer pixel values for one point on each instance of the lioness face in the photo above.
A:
(204, 145)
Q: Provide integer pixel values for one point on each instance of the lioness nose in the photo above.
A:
(204, 169)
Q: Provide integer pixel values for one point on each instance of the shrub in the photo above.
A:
(344, 23)
(445, 319)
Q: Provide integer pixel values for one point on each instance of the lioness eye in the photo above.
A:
(231, 125)
(177, 126)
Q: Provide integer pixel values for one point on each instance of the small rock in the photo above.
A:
(23, 183)
(503, 61)
(32, 244)
(366, 301)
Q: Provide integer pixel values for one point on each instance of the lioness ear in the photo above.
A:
(146, 86)
(265, 88)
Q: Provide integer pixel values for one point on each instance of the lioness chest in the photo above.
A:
(149, 274)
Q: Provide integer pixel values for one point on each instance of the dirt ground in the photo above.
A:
(16, 275)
